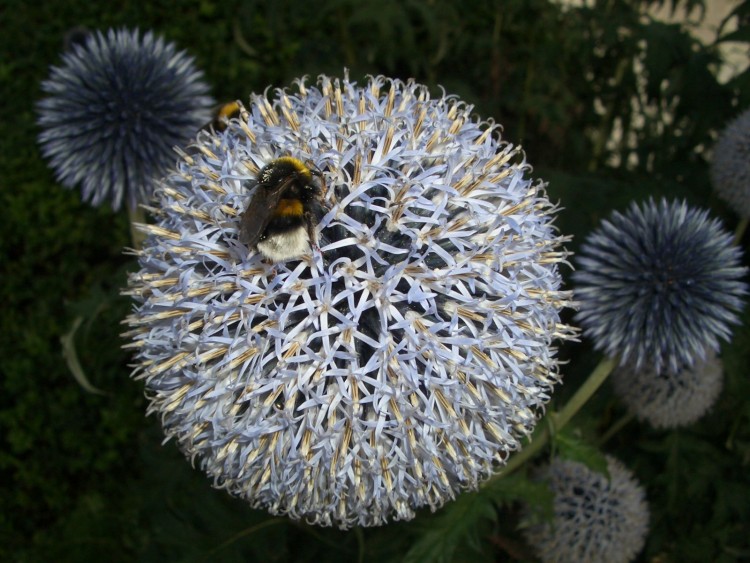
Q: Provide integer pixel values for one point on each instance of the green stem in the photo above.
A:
(241, 534)
(606, 124)
(136, 215)
(560, 419)
(584, 393)
(739, 232)
(623, 421)
(360, 544)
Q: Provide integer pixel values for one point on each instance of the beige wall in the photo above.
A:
(735, 55)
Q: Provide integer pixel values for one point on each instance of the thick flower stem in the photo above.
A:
(739, 232)
(616, 427)
(556, 421)
(584, 393)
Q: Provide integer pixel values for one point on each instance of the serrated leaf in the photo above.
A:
(518, 487)
(572, 447)
(534, 494)
(457, 524)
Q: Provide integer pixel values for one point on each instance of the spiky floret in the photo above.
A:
(670, 400)
(115, 108)
(397, 365)
(659, 285)
(730, 164)
(597, 518)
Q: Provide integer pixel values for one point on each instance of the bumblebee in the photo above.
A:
(222, 114)
(280, 219)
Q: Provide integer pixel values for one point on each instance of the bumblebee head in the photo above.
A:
(291, 174)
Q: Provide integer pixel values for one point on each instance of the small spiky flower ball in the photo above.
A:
(596, 519)
(115, 108)
(398, 363)
(659, 285)
(670, 400)
(730, 164)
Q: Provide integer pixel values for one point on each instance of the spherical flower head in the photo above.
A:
(398, 363)
(116, 107)
(670, 400)
(730, 164)
(659, 285)
(596, 519)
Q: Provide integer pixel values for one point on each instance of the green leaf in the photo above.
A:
(462, 522)
(459, 522)
(71, 359)
(571, 446)
(519, 487)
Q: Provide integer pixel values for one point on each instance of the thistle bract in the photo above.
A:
(730, 164)
(670, 400)
(597, 519)
(115, 108)
(659, 285)
(397, 364)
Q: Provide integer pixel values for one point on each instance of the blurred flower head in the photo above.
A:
(115, 109)
(730, 164)
(596, 519)
(659, 285)
(669, 400)
(396, 365)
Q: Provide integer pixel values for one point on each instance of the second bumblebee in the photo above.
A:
(222, 114)
(280, 219)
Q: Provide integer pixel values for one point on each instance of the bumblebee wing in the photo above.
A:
(259, 211)
(254, 219)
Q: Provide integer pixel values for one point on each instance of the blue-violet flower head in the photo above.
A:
(670, 400)
(114, 110)
(659, 285)
(730, 164)
(401, 361)
(596, 519)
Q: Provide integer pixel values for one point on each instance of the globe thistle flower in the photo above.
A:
(730, 164)
(596, 519)
(670, 400)
(399, 363)
(659, 285)
(115, 109)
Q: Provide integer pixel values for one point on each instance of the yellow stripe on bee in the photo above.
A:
(289, 207)
(229, 110)
(299, 166)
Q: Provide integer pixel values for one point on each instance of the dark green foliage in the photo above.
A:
(469, 516)
(569, 445)
(468, 521)
(84, 476)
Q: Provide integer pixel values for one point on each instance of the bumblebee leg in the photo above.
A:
(311, 232)
(270, 264)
